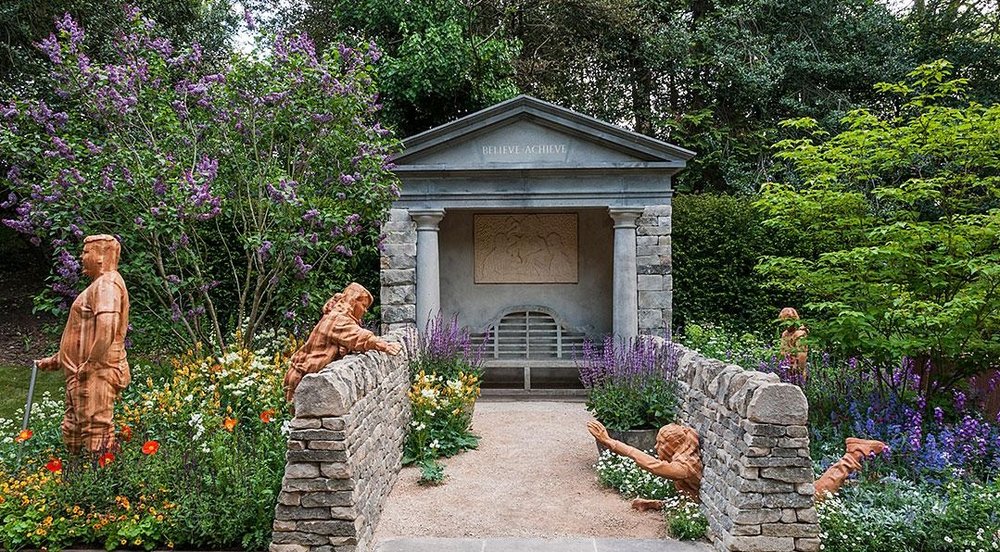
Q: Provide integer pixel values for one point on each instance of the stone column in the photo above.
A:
(428, 265)
(625, 314)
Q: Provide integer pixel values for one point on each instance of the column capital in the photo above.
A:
(427, 219)
(624, 217)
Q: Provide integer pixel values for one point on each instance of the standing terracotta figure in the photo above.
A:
(337, 334)
(92, 349)
(677, 458)
(793, 346)
(857, 450)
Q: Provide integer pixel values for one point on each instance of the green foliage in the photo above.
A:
(242, 194)
(743, 348)
(648, 406)
(903, 215)
(441, 417)
(891, 515)
(24, 22)
(717, 242)
(686, 521)
(441, 59)
(431, 473)
(683, 517)
(623, 475)
(445, 374)
(630, 386)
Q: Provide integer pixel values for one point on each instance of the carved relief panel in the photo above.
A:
(526, 248)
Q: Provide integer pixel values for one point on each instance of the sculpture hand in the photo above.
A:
(393, 348)
(599, 432)
(48, 364)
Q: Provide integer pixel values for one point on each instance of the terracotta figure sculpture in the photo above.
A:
(337, 334)
(92, 349)
(857, 450)
(677, 458)
(793, 346)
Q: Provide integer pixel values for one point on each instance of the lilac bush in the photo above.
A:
(242, 193)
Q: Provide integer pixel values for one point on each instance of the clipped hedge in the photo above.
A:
(717, 241)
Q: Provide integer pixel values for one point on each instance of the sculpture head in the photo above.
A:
(789, 315)
(100, 254)
(354, 300)
(674, 441)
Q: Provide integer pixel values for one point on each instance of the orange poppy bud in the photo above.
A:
(266, 415)
(229, 423)
(150, 447)
(24, 435)
(126, 433)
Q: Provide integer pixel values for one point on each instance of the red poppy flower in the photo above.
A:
(105, 459)
(126, 433)
(266, 415)
(150, 447)
(24, 435)
(54, 465)
(229, 424)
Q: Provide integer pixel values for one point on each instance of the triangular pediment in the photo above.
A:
(525, 132)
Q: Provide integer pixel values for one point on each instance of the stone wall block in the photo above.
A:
(760, 544)
(808, 545)
(326, 393)
(719, 386)
(778, 403)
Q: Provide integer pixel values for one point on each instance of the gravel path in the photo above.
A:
(532, 476)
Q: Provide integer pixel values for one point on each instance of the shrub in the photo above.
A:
(200, 463)
(623, 475)
(446, 373)
(630, 386)
(891, 514)
(717, 242)
(242, 194)
(685, 520)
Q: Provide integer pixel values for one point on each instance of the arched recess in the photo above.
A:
(529, 347)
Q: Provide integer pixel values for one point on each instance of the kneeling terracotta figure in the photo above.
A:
(337, 334)
(678, 459)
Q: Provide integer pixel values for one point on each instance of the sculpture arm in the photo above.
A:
(652, 464)
(357, 339)
(105, 328)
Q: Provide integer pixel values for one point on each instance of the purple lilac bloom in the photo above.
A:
(264, 251)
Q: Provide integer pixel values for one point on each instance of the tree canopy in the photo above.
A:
(902, 213)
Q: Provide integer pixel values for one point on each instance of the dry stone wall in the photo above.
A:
(757, 485)
(344, 452)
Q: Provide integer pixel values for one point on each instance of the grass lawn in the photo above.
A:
(14, 387)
